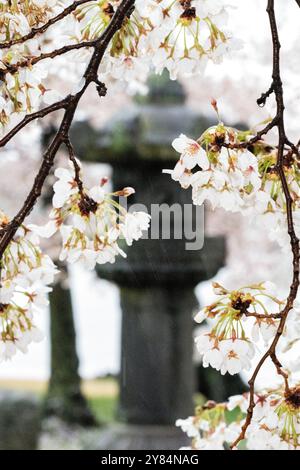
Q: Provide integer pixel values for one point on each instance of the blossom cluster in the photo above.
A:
(226, 346)
(91, 222)
(275, 424)
(22, 88)
(179, 35)
(221, 169)
(26, 273)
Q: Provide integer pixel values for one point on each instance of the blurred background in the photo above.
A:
(117, 367)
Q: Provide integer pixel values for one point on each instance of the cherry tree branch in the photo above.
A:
(41, 29)
(277, 89)
(75, 164)
(62, 104)
(86, 204)
(258, 136)
(294, 150)
(30, 61)
(261, 316)
(123, 11)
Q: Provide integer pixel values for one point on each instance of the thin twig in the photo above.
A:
(41, 29)
(86, 203)
(76, 166)
(260, 316)
(254, 139)
(30, 61)
(62, 104)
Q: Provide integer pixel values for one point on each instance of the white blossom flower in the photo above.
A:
(192, 153)
(240, 401)
(236, 355)
(134, 225)
(188, 426)
(63, 188)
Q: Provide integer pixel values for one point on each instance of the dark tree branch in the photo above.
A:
(282, 139)
(256, 138)
(124, 10)
(75, 165)
(30, 61)
(263, 99)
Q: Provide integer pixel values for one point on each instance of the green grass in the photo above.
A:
(102, 395)
(104, 408)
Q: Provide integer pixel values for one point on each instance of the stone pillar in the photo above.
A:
(157, 377)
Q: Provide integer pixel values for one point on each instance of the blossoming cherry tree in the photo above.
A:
(95, 43)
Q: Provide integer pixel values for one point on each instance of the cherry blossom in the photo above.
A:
(25, 276)
(179, 36)
(193, 37)
(227, 347)
(221, 170)
(220, 175)
(209, 429)
(23, 88)
(275, 424)
(91, 222)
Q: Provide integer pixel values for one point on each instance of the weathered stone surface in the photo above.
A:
(157, 378)
(143, 131)
(57, 434)
(20, 416)
(130, 437)
(157, 271)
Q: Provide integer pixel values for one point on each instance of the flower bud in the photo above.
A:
(126, 192)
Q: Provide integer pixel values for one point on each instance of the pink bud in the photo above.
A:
(104, 181)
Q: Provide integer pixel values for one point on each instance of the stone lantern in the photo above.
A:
(158, 278)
